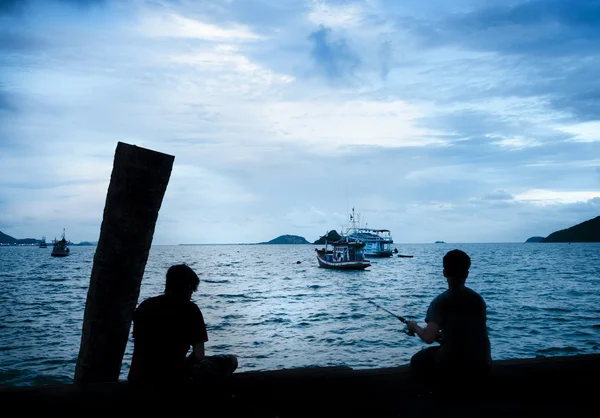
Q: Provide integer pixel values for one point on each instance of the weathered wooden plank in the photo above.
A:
(138, 183)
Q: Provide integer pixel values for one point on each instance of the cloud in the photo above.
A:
(386, 58)
(20, 6)
(282, 114)
(552, 196)
(498, 195)
(333, 59)
(540, 27)
(9, 6)
(298, 219)
(335, 15)
(332, 125)
(548, 49)
(584, 132)
(177, 26)
(6, 103)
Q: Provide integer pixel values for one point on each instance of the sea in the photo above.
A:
(274, 308)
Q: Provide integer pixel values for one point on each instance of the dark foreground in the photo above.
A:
(544, 387)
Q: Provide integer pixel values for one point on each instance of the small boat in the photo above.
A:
(378, 242)
(43, 244)
(405, 256)
(345, 254)
(60, 247)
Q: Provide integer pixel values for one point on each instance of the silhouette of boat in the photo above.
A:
(60, 247)
(43, 244)
(345, 254)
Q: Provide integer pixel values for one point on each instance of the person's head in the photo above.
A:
(181, 280)
(456, 267)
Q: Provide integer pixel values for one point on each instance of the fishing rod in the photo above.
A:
(400, 318)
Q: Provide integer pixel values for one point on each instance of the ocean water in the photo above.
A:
(274, 313)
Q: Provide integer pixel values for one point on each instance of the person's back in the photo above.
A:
(165, 327)
(461, 316)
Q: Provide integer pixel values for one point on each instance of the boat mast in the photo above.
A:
(354, 221)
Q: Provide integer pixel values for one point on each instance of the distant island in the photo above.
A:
(8, 240)
(331, 236)
(287, 239)
(440, 242)
(535, 239)
(588, 231)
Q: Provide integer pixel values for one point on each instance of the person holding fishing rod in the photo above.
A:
(459, 315)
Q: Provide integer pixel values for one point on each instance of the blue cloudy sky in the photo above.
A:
(455, 120)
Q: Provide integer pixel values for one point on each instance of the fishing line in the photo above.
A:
(400, 318)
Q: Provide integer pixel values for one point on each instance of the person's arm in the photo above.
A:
(198, 351)
(199, 335)
(434, 319)
(429, 334)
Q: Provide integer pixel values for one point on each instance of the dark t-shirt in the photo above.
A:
(164, 329)
(461, 316)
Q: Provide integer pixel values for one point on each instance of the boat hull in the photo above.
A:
(379, 254)
(60, 251)
(59, 254)
(60, 248)
(343, 265)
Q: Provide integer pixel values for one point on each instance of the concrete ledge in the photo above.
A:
(553, 386)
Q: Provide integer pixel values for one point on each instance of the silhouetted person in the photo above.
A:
(165, 327)
(458, 316)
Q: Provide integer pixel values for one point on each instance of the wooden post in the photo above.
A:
(138, 183)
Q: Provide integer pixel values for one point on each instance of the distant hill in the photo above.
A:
(287, 239)
(331, 236)
(588, 231)
(7, 239)
(535, 239)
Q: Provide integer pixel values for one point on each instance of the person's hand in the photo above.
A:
(412, 326)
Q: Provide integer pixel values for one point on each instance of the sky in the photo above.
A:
(454, 120)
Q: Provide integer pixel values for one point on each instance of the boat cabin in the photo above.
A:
(341, 251)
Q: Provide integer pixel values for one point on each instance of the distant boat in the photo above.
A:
(61, 247)
(345, 254)
(378, 242)
(43, 244)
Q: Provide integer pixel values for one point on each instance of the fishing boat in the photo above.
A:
(60, 247)
(345, 254)
(43, 244)
(378, 242)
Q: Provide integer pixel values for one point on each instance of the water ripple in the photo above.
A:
(542, 300)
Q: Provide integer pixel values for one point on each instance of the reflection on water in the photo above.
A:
(543, 299)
